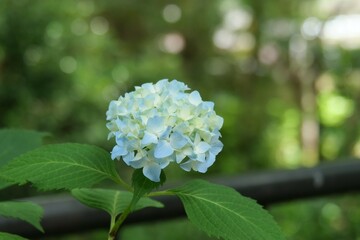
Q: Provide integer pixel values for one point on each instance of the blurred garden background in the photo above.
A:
(284, 75)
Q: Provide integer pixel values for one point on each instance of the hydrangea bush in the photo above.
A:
(153, 126)
(158, 124)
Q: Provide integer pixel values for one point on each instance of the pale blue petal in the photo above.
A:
(182, 127)
(120, 140)
(163, 149)
(178, 140)
(138, 163)
(187, 165)
(210, 159)
(161, 84)
(148, 138)
(166, 133)
(163, 162)
(120, 124)
(201, 167)
(155, 124)
(195, 98)
(200, 157)
(128, 158)
(118, 151)
(202, 147)
(216, 147)
(152, 171)
(208, 105)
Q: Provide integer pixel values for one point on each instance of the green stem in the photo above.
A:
(112, 223)
(160, 193)
(115, 227)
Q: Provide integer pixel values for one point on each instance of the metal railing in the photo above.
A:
(64, 215)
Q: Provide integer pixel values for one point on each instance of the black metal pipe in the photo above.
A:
(64, 215)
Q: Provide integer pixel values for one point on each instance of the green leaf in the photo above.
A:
(222, 212)
(14, 142)
(26, 211)
(112, 201)
(142, 185)
(61, 166)
(8, 236)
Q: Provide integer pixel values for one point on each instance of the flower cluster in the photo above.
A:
(160, 123)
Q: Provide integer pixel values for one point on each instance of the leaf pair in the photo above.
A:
(112, 201)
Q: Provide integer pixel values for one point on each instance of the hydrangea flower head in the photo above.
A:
(161, 123)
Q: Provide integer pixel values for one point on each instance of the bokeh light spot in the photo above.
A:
(172, 13)
(172, 43)
(79, 27)
(99, 25)
(68, 64)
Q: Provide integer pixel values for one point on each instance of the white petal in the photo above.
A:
(185, 113)
(112, 111)
(216, 122)
(163, 149)
(202, 147)
(148, 87)
(152, 171)
(178, 140)
(148, 139)
(195, 98)
(206, 135)
(179, 157)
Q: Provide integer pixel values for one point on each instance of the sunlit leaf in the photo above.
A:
(222, 212)
(61, 166)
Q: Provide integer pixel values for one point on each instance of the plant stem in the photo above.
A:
(160, 193)
(115, 227)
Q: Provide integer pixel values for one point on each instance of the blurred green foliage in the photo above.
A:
(287, 86)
